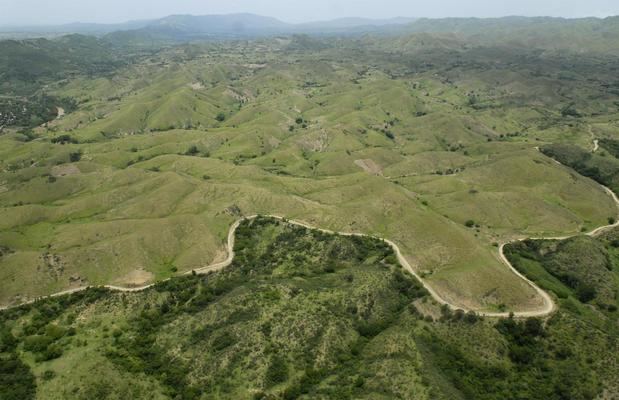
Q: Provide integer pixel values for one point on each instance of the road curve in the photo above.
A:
(548, 308)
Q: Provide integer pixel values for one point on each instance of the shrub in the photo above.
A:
(585, 292)
(37, 343)
(53, 351)
(75, 156)
(221, 117)
(64, 139)
(7, 340)
(470, 223)
(277, 372)
(223, 341)
(192, 151)
(16, 380)
(48, 375)
(54, 331)
(471, 317)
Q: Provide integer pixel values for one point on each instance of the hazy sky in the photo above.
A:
(16, 12)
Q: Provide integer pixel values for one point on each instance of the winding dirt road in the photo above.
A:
(548, 308)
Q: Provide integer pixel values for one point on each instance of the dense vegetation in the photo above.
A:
(32, 111)
(581, 268)
(583, 273)
(299, 314)
(27, 66)
(611, 145)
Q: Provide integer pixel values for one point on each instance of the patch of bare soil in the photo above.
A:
(255, 66)
(370, 167)
(274, 142)
(316, 144)
(65, 170)
(137, 277)
(196, 86)
(242, 97)
(51, 264)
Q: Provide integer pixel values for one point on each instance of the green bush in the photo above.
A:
(75, 156)
(277, 371)
(37, 343)
(192, 151)
(16, 380)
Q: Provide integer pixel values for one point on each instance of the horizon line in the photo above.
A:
(127, 21)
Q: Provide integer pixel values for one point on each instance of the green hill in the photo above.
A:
(136, 184)
(445, 143)
(299, 314)
(27, 67)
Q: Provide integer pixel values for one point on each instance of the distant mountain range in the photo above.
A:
(183, 27)
(577, 35)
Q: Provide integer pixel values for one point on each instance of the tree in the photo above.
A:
(16, 380)
(533, 327)
(277, 371)
(585, 292)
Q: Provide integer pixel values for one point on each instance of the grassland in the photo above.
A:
(142, 180)
(299, 314)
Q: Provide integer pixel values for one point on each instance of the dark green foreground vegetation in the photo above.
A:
(299, 314)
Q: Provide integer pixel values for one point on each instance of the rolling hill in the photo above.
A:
(455, 146)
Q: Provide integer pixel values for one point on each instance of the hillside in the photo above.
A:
(38, 60)
(28, 66)
(142, 180)
(299, 314)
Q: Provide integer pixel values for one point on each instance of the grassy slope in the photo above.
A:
(137, 209)
(299, 314)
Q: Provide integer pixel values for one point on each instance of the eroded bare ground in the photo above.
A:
(370, 166)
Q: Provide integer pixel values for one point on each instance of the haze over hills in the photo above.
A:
(183, 27)
(579, 35)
